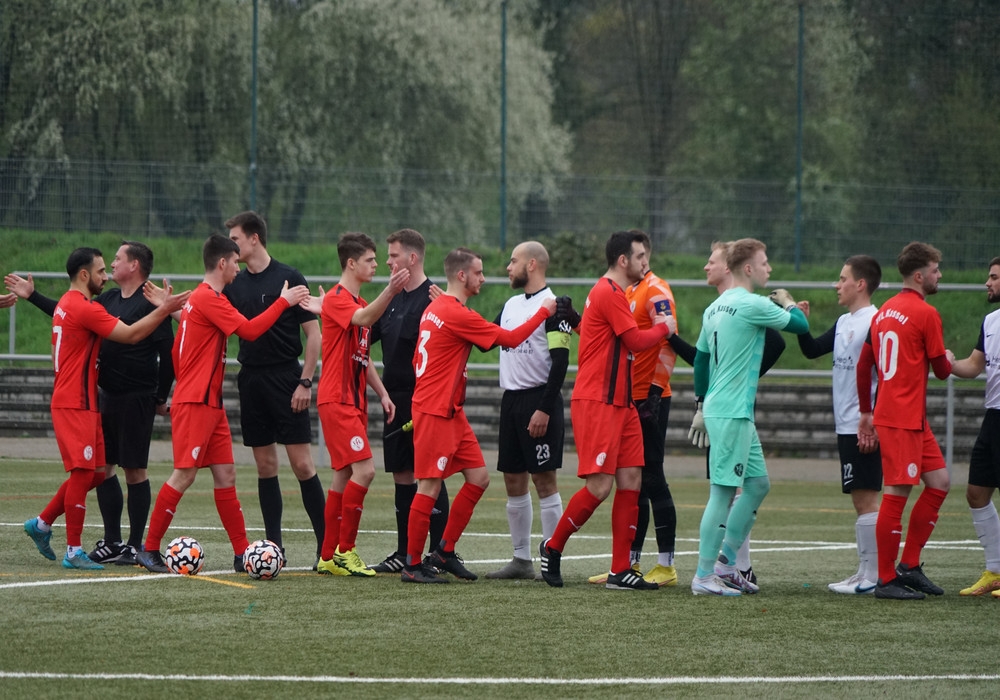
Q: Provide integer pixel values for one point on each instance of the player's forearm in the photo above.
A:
(864, 378)
(941, 366)
(251, 329)
(637, 341)
(43, 302)
(554, 383)
(515, 336)
(797, 322)
(684, 349)
(816, 347)
(701, 373)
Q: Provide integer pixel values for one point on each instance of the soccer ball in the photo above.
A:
(263, 560)
(185, 556)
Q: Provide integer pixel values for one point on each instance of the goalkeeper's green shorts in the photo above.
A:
(735, 453)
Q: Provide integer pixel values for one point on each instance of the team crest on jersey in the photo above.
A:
(911, 470)
(88, 452)
(357, 443)
(738, 469)
(442, 463)
(195, 452)
(631, 306)
(601, 458)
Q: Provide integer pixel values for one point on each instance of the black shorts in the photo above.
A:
(858, 471)
(519, 452)
(127, 421)
(654, 436)
(266, 415)
(984, 465)
(397, 445)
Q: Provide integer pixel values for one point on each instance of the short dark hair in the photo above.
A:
(251, 222)
(353, 245)
(458, 260)
(408, 238)
(81, 258)
(995, 261)
(865, 267)
(620, 243)
(739, 252)
(141, 253)
(215, 249)
(647, 243)
(916, 255)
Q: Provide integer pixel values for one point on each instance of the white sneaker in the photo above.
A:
(712, 585)
(853, 585)
(731, 576)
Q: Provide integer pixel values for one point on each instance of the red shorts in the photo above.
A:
(345, 432)
(200, 435)
(906, 454)
(80, 438)
(607, 437)
(444, 446)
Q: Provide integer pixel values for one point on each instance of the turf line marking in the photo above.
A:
(679, 680)
(212, 579)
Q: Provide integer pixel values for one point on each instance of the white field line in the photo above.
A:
(680, 680)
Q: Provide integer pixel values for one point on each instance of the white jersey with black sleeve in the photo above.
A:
(852, 329)
(527, 366)
(989, 345)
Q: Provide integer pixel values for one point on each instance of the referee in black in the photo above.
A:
(275, 388)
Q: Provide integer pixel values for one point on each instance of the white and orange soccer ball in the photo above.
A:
(263, 560)
(184, 556)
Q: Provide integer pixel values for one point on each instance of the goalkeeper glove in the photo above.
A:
(566, 312)
(649, 410)
(782, 298)
(698, 434)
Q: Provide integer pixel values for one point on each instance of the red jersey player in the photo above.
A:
(605, 421)
(78, 325)
(443, 441)
(199, 426)
(905, 339)
(343, 404)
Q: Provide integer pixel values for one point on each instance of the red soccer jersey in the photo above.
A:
(604, 363)
(905, 333)
(78, 325)
(448, 330)
(346, 349)
(207, 320)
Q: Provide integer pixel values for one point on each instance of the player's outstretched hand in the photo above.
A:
(782, 298)
(155, 295)
(550, 306)
(434, 292)
(313, 304)
(19, 286)
(698, 434)
(566, 312)
(7, 300)
(172, 302)
(294, 295)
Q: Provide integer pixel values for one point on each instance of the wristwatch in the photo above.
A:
(307, 383)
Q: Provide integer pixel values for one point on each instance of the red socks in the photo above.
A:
(418, 527)
(354, 503)
(332, 514)
(231, 514)
(163, 512)
(624, 513)
(578, 511)
(461, 512)
(923, 518)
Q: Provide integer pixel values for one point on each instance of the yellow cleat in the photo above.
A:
(328, 567)
(662, 575)
(350, 562)
(989, 581)
(602, 579)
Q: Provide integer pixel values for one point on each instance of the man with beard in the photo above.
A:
(606, 425)
(984, 465)
(78, 325)
(904, 340)
(531, 409)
